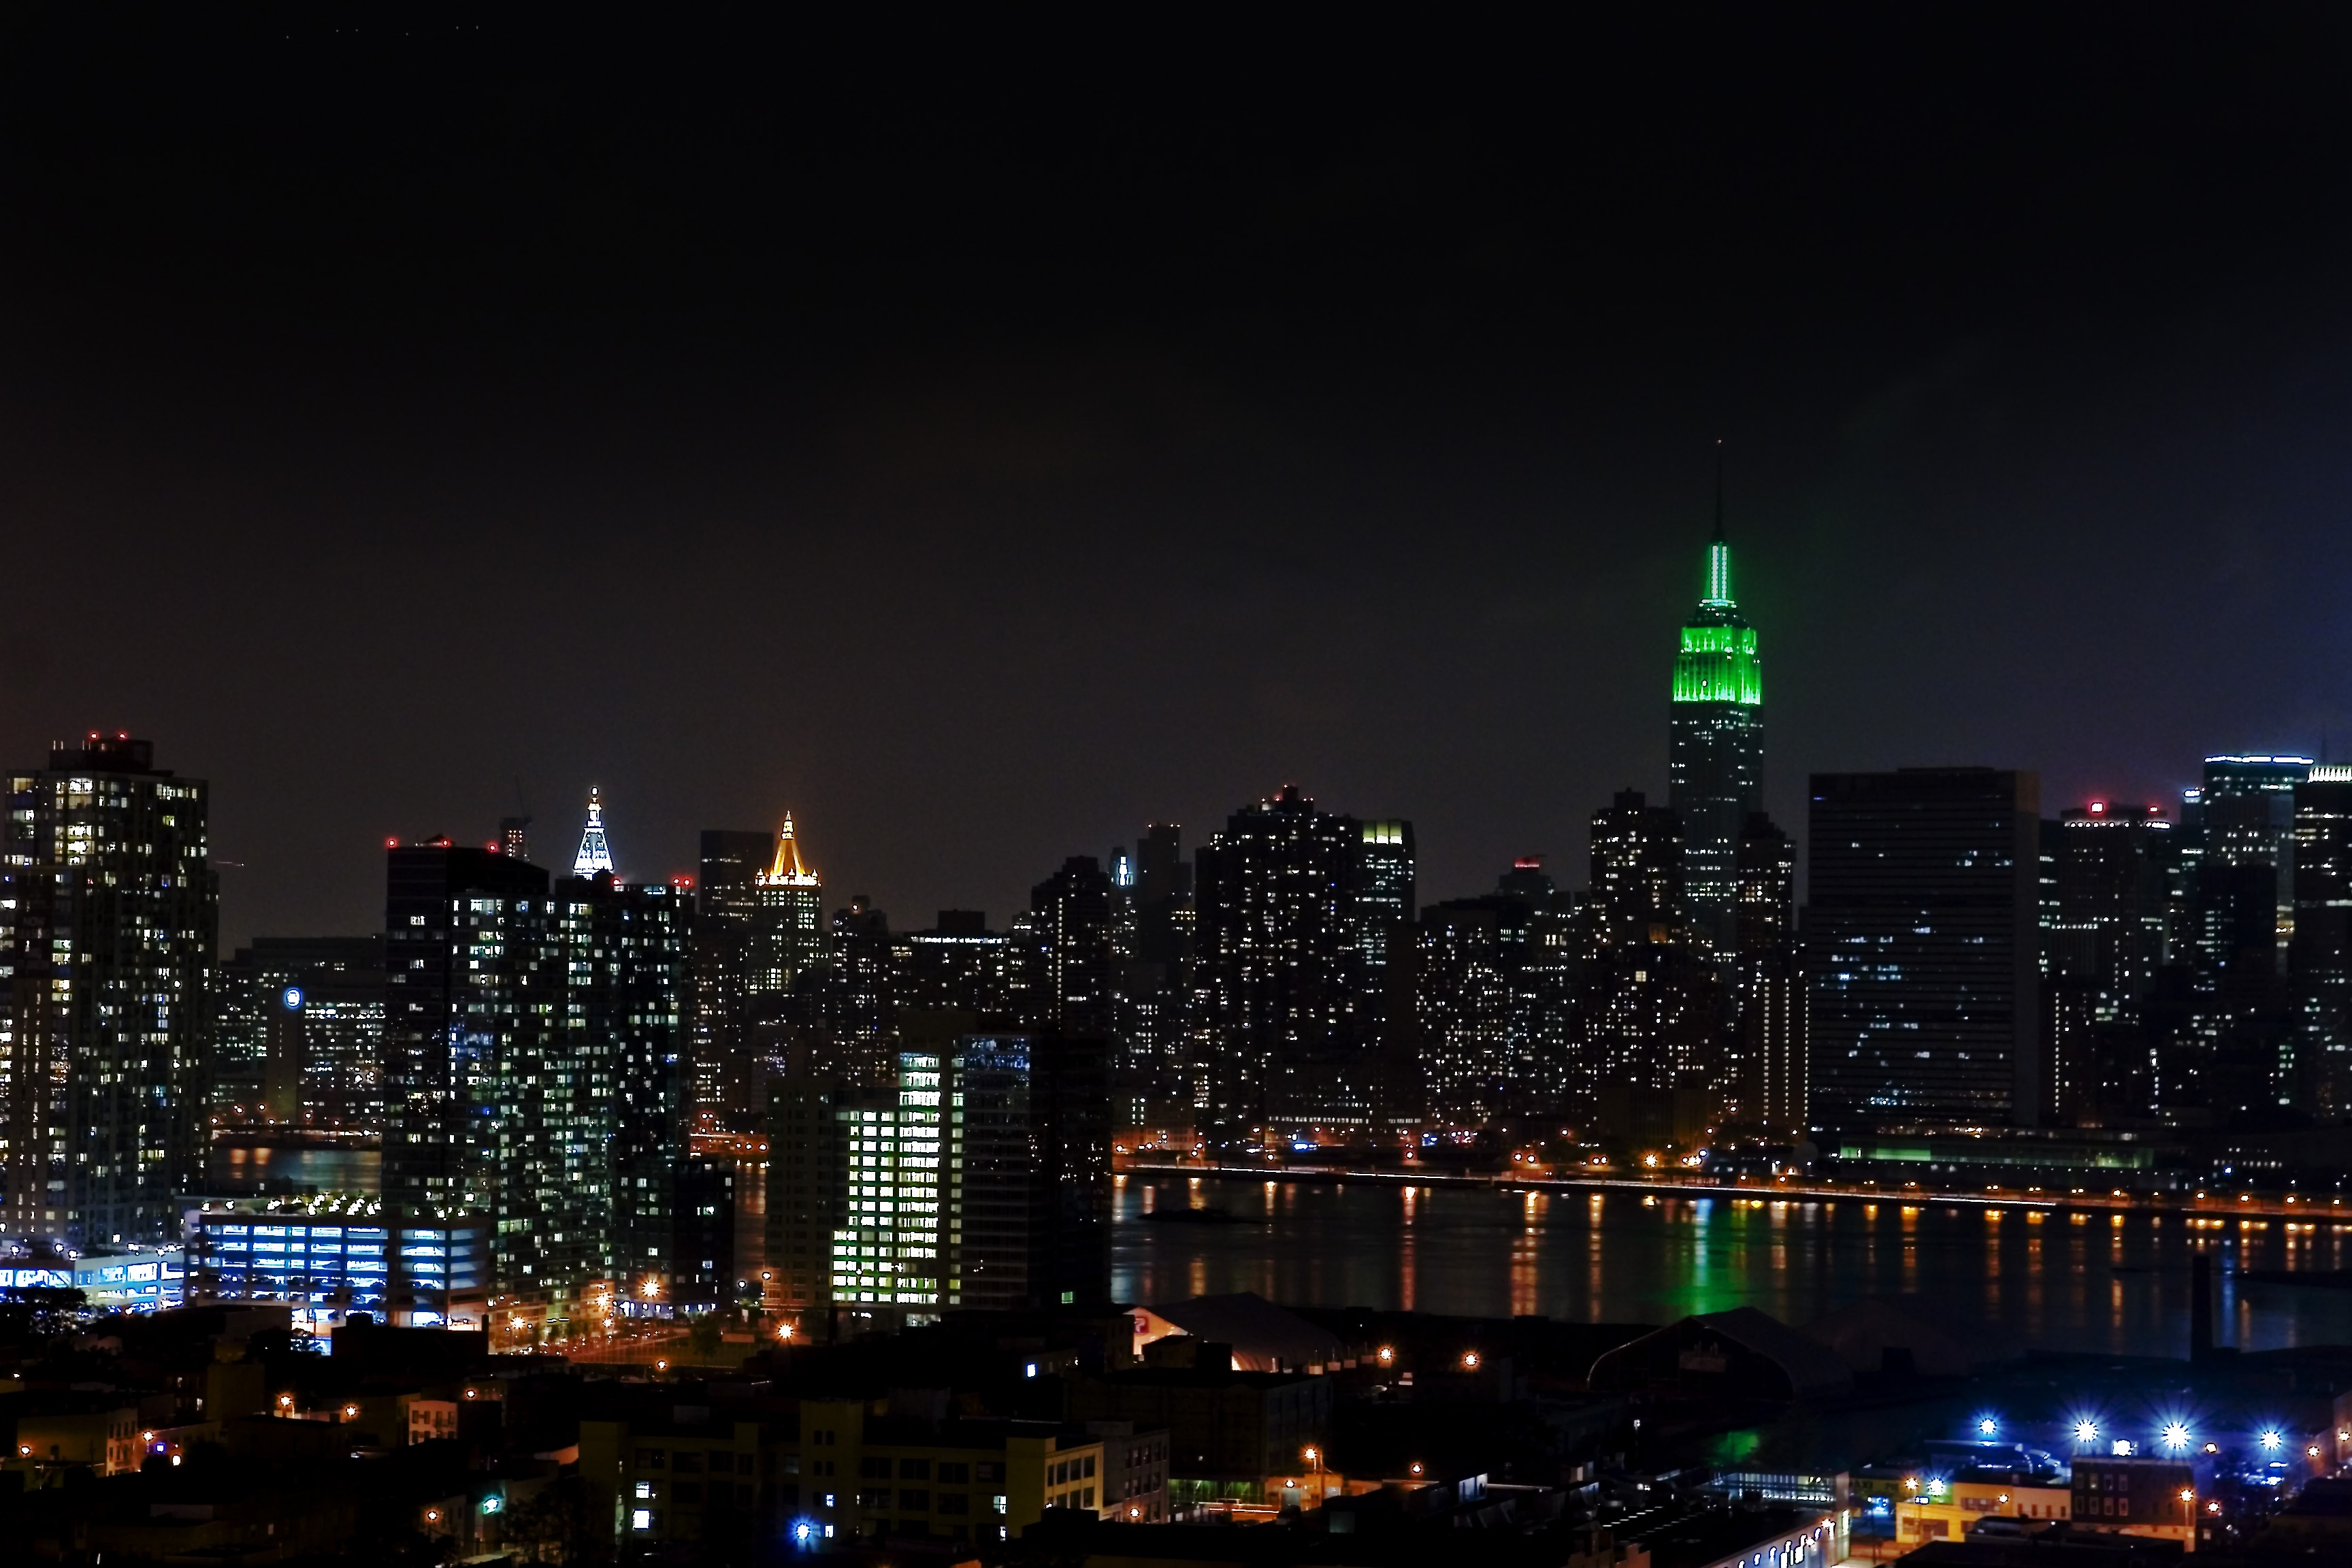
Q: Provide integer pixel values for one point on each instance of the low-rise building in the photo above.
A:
(2135, 1495)
(1229, 1434)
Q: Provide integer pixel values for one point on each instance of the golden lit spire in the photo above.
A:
(789, 871)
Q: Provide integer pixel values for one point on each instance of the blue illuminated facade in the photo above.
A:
(338, 1257)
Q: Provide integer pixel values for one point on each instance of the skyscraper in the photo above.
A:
(959, 965)
(1653, 1010)
(473, 993)
(1770, 981)
(108, 911)
(1070, 928)
(1147, 1012)
(595, 1175)
(1467, 961)
(1923, 948)
(855, 998)
(2106, 941)
(594, 855)
(986, 1183)
(726, 1081)
(1295, 912)
(298, 1038)
(2239, 829)
(1714, 763)
(2320, 958)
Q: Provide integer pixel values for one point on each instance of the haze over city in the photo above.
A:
(981, 463)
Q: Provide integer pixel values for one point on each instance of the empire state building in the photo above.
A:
(1714, 766)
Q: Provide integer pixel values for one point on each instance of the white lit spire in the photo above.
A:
(594, 855)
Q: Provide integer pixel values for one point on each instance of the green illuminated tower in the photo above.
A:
(1715, 767)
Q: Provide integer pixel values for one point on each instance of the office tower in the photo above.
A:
(1550, 982)
(788, 931)
(1148, 1006)
(957, 966)
(814, 1130)
(1468, 956)
(1715, 764)
(2319, 960)
(108, 910)
(473, 992)
(1382, 910)
(1294, 911)
(726, 1079)
(1653, 1008)
(2242, 920)
(1070, 925)
(593, 1169)
(2105, 940)
(1027, 1208)
(514, 837)
(1922, 948)
(984, 1183)
(855, 999)
(1770, 981)
(299, 1039)
(2248, 820)
(594, 854)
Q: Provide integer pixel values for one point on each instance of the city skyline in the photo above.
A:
(1356, 439)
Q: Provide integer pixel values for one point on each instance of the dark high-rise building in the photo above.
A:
(815, 1127)
(1715, 755)
(726, 1079)
(1473, 1023)
(2241, 901)
(1028, 1208)
(299, 1039)
(1296, 911)
(1652, 1012)
(109, 916)
(1770, 993)
(2106, 941)
(1148, 1003)
(1923, 948)
(982, 1178)
(470, 982)
(2320, 957)
(473, 1000)
(854, 994)
(595, 1175)
(1638, 861)
(957, 966)
(1070, 927)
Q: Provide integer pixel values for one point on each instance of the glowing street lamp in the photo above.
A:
(2087, 1431)
(1988, 1427)
(2271, 1441)
(2176, 1435)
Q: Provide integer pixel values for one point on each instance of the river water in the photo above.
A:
(2095, 1283)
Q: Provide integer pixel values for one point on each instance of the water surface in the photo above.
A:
(2095, 1283)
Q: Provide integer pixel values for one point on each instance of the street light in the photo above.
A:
(2087, 1431)
(2176, 1435)
(1988, 1427)
(1470, 1360)
(2271, 1440)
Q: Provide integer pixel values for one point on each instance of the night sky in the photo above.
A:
(984, 443)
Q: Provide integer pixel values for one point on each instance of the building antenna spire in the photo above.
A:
(1719, 490)
(595, 855)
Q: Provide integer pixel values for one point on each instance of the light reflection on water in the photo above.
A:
(2080, 1282)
